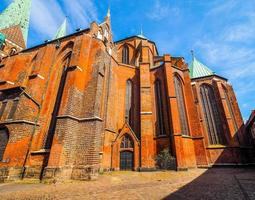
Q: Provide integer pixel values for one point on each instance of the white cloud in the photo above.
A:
(243, 31)
(80, 13)
(46, 16)
(162, 10)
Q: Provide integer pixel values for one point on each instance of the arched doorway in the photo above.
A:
(127, 153)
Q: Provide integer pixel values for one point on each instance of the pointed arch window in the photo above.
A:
(230, 107)
(127, 142)
(159, 109)
(61, 86)
(4, 137)
(128, 100)
(181, 105)
(211, 114)
(125, 54)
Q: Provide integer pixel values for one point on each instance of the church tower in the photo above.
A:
(14, 25)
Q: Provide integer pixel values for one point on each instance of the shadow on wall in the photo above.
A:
(236, 181)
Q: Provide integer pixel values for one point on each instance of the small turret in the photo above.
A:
(61, 32)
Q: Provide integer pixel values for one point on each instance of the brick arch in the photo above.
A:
(125, 131)
(176, 74)
(128, 44)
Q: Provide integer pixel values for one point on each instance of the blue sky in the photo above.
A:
(221, 32)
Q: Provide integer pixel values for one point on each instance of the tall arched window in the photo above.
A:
(64, 68)
(4, 137)
(128, 102)
(159, 109)
(230, 108)
(181, 105)
(212, 115)
(125, 54)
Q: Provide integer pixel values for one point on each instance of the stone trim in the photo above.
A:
(95, 118)
(110, 130)
(41, 151)
(146, 113)
(19, 121)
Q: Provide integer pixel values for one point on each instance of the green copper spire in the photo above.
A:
(62, 30)
(17, 13)
(198, 70)
(141, 35)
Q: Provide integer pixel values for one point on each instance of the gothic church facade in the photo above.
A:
(82, 103)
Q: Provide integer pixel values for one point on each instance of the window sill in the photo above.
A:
(41, 151)
(187, 136)
(161, 136)
(216, 146)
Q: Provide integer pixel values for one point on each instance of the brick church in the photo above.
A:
(83, 103)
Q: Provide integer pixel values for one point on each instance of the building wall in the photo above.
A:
(230, 150)
(70, 119)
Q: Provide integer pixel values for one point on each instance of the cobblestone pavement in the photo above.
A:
(216, 183)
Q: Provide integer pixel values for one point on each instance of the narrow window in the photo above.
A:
(61, 87)
(230, 108)
(181, 105)
(128, 102)
(4, 137)
(125, 54)
(159, 109)
(212, 115)
(4, 103)
(13, 108)
(12, 51)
